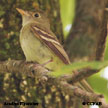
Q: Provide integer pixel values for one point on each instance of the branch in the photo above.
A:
(102, 38)
(86, 40)
(78, 76)
(38, 71)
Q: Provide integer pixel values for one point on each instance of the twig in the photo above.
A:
(78, 76)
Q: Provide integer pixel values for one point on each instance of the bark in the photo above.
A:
(38, 75)
(87, 37)
(10, 25)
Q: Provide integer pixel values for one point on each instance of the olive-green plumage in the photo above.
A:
(40, 44)
(35, 50)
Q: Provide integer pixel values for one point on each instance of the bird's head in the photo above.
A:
(38, 17)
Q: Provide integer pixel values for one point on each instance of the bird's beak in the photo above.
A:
(22, 12)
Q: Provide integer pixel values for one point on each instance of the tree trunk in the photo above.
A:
(10, 24)
(87, 37)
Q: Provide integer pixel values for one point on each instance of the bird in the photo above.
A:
(40, 44)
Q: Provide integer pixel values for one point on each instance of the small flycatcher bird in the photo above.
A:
(40, 44)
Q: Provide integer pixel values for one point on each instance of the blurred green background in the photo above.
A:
(67, 14)
(99, 81)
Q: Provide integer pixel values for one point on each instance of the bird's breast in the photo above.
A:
(33, 48)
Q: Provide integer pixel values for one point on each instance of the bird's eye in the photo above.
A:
(36, 15)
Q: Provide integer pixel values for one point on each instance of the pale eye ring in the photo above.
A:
(36, 15)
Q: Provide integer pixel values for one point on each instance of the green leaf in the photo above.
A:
(99, 84)
(79, 65)
(67, 8)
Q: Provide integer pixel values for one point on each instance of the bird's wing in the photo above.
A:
(51, 42)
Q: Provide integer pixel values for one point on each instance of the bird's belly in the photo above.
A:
(34, 50)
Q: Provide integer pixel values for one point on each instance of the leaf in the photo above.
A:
(99, 84)
(77, 66)
(67, 8)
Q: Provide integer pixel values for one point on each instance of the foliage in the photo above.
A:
(67, 14)
(98, 82)
(80, 65)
